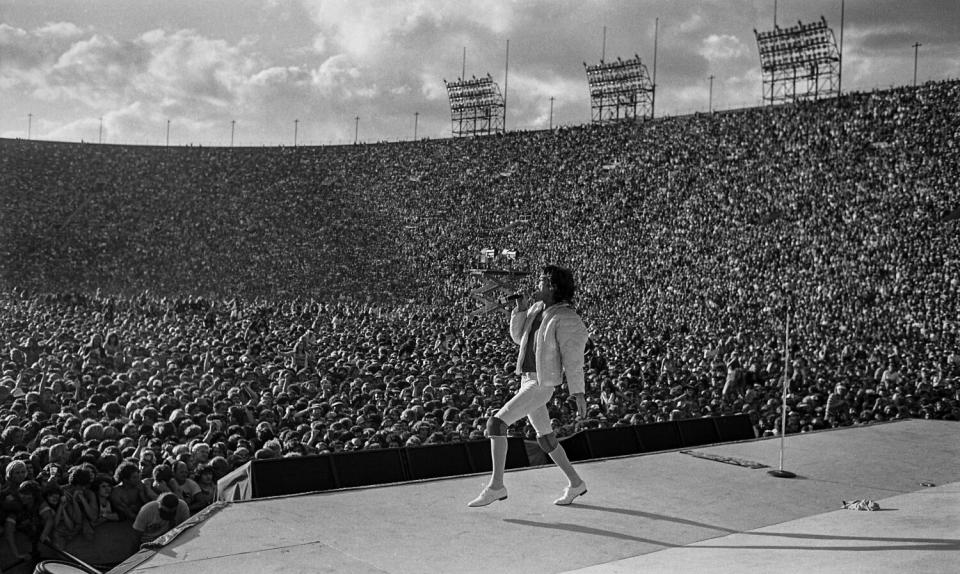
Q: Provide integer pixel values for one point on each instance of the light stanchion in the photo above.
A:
(779, 472)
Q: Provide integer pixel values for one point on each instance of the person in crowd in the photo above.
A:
(51, 512)
(158, 517)
(21, 516)
(130, 493)
(208, 488)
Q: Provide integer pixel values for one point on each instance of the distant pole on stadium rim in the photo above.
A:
(29, 126)
(416, 119)
(780, 473)
(506, 72)
(603, 50)
(840, 67)
(168, 133)
(233, 125)
(356, 130)
(916, 51)
(710, 104)
(551, 113)
(653, 96)
(100, 140)
(295, 126)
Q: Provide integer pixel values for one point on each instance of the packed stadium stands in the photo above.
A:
(190, 308)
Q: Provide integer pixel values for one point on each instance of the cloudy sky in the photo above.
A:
(132, 65)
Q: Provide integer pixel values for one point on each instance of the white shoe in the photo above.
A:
(488, 496)
(570, 493)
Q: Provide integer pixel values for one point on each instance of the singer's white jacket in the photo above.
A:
(561, 341)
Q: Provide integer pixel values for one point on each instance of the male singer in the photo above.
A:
(552, 338)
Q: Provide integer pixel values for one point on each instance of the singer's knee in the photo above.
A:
(548, 442)
(496, 427)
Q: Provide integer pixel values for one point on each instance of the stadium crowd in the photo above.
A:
(170, 314)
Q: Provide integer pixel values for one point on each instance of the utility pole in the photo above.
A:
(840, 72)
(356, 130)
(653, 99)
(506, 71)
(101, 130)
(233, 125)
(416, 119)
(916, 48)
(603, 51)
(551, 113)
(29, 126)
(168, 133)
(710, 106)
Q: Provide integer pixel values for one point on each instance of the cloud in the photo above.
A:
(365, 28)
(189, 67)
(94, 71)
(59, 30)
(693, 23)
(22, 49)
(721, 47)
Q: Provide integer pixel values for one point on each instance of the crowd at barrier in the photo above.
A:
(170, 314)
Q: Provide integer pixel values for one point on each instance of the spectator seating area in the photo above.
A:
(168, 314)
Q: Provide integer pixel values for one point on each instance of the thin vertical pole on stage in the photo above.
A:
(780, 473)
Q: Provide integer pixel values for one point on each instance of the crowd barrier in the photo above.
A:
(301, 474)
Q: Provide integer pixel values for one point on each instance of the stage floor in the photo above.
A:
(661, 512)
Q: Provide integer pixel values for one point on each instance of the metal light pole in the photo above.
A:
(168, 133)
(840, 71)
(603, 51)
(416, 119)
(296, 124)
(233, 125)
(551, 113)
(916, 48)
(356, 130)
(506, 71)
(29, 126)
(710, 106)
(653, 98)
(101, 130)
(780, 473)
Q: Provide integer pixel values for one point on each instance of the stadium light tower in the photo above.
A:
(619, 90)
(799, 62)
(476, 106)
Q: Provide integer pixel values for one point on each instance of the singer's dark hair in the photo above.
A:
(562, 280)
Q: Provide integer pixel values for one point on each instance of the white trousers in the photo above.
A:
(531, 402)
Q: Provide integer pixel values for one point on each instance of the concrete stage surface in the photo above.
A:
(661, 512)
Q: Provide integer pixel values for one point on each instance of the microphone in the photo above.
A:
(510, 298)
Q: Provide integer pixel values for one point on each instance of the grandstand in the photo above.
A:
(692, 239)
